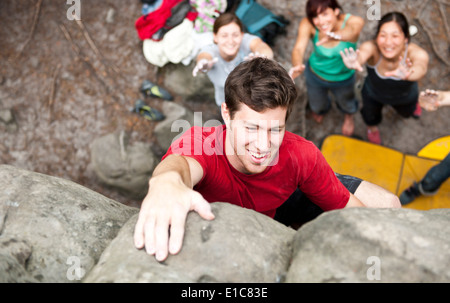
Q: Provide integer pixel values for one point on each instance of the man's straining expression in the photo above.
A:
(253, 138)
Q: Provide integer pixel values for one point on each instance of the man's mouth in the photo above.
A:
(259, 157)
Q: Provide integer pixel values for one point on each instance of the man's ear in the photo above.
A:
(225, 113)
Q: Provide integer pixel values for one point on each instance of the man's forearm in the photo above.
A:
(172, 167)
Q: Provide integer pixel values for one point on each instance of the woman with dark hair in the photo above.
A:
(331, 31)
(231, 47)
(394, 65)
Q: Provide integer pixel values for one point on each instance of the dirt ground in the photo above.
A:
(68, 83)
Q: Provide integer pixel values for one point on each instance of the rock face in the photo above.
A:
(363, 245)
(49, 224)
(238, 246)
(53, 230)
(125, 167)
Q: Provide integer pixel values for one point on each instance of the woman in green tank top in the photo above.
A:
(330, 31)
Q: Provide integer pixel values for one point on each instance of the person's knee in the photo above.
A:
(392, 201)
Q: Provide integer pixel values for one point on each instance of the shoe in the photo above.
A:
(417, 112)
(318, 118)
(149, 89)
(410, 194)
(147, 112)
(374, 136)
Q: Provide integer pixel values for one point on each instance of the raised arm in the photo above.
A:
(165, 208)
(414, 67)
(350, 32)
(205, 62)
(260, 48)
(355, 59)
(431, 100)
(419, 59)
(305, 30)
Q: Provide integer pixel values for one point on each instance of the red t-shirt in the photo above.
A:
(300, 165)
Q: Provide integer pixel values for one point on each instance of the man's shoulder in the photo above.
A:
(294, 139)
(299, 148)
(199, 141)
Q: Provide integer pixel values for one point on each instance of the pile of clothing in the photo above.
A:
(175, 30)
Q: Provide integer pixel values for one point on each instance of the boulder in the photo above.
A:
(178, 79)
(13, 255)
(373, 245)
(121, 165)
(52, 229)
(8, 120)
(239, 245)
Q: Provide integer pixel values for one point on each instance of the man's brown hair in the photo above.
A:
(261, 84)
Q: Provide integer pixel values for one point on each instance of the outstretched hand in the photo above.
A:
(429, 100)
(254, 55)
(403, 71)
(350, 59)
(329, 36)
(204, 65)
(296, 71)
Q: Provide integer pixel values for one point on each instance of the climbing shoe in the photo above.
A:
(149, 89)
(147, 112)
(410, 194)
(374, 136)
(417, 112)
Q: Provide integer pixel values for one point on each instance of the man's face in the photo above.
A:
(253, 139)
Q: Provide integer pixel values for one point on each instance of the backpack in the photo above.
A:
(260, 21)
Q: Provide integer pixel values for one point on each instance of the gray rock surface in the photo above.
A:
(54, 230)
(44, 221)
(178, 120)
(121, 165)
(365, 245)
(239, 245)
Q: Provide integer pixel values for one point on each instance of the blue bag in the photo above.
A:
(260, 21)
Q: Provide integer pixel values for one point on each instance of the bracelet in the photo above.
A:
(334, 36)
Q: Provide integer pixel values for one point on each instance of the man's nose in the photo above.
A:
(263, 140)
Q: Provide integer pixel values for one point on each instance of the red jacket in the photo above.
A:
(149, 24)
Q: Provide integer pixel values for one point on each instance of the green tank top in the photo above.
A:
(327, 62)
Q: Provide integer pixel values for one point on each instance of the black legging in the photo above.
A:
(372, 108)
(436, 176)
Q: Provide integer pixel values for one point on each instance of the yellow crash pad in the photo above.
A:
(386, 167)
(437, 149)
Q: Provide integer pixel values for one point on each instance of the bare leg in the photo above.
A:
(376, 196)
(349, 125)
